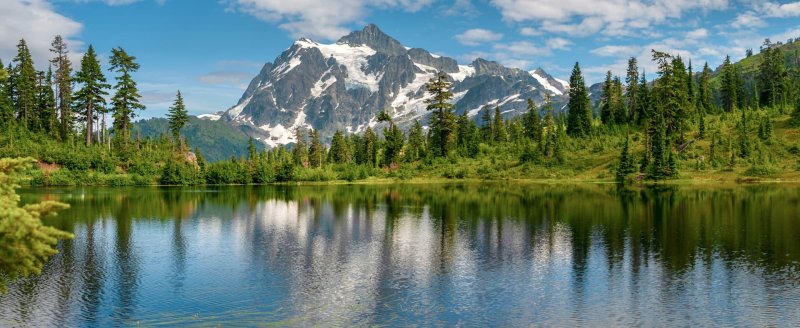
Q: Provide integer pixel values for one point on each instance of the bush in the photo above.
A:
(179, 173)
(352, 172)
(761, 170)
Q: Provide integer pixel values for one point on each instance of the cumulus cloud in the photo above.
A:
(529, 31)
(38, 23)
(476, 36)
(559, 43)
(611, 17)
(321, 19)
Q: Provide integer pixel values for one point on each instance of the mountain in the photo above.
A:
(217, 140)
(343, 86)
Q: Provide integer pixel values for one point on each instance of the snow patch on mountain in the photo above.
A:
(353, 58)
(545, 83)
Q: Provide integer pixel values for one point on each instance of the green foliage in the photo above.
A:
(443, 121)
(217, 140)
(177, 116)
(180, 173)
(26, 242)
(626, 165)
(579, 113)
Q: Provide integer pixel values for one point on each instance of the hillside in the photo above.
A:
(217, 140)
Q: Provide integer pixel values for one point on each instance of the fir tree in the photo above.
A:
(177, 116)
(606, 110)
(46, 105)
(370, 148)
(27, 243)
(339, 153)
(300, 152)
(744, 138)
(626, 165)
(126, 98)
(579, 115)
(63, 85)
(394, 144)
(498, 127)
(728, 88)
(6, 106)
(632, 88)
(532, 123)
(416, 143)
(24, 87)
(772, 75)
(704, 90)
(316, 151)
(486, 124)
(443, 121)
(90, 96)
(701, 125)
(642, 109)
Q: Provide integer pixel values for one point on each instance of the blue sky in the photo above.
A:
(210, 49)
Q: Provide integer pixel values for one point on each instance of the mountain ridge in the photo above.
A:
(344, 85)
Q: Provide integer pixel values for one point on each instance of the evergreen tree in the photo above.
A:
(27, 243)
(316, 151)
(63, 85)
(416, 143)
(6, 106)
(467, 136)
(728, 86)
(46, 105)
(579, 115)
(795, 120)
(701, 124)
(632, 88)
(126, 98)
(532, 123)
(498, 127)
(772, 76)
(91, 94)
(339, 153)
(618, 102)
(252, 151)
(606, 111)
(394, 144)
(642, 109)
(487, 130)
(626, 165)
(704, 92)
(443, 121)
(744, 137)
(24, 87)
(177, 116)
(370, 148)
(300, 152)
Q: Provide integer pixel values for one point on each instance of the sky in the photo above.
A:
(210, 49)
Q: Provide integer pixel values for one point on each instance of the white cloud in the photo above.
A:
(523, 48)
(37, 22)
(611, 17)
(321, 19)
(461, 8)
(699, 33)
(616, 51)
(476, 36)
(529, 31)
(559, 43)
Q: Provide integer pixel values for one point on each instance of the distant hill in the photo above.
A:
(217, 140)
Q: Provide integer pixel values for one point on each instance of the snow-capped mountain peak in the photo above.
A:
(343, 85)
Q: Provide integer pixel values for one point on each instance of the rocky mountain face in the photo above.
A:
(343, 86)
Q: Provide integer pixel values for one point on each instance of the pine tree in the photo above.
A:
(772, 76)
(6, 106)
(728, 86)
(579, 115)
(632, 88)
(90, 96)
(24, 87)
(300, 152)
(370, 148)
(316, 151)
(394, 144)
(606, 110)
(618, 102)
(27, 243)
(63, 85)
(704, 92)
(443, 121)
(252, 151)
(744, 137)
(702, 124)
(532, 123)
(177, 116)
(46, 105)
(643, 101)
(339, 153)
(416, 143)
(626, 165)
(487, 130)
(126, 99)
(498, 127)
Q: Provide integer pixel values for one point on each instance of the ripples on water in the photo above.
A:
(409, 255)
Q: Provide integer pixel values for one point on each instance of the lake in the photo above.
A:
(502, 254)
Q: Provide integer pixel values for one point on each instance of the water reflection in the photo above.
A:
(445, 254)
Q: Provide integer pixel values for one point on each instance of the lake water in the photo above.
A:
(444, 255)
